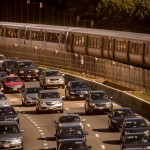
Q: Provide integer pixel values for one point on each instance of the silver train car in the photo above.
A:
(125, 47)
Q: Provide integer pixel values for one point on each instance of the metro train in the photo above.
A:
(125, 47)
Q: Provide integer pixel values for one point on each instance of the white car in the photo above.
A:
(49, 100)
(2, 59)
(3, 99)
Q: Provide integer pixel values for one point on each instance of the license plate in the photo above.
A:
(6, 145)
(15, 88)
(100, 108)
(81, 95)
(28, 76)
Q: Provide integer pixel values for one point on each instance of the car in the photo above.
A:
(73, 144)
(30, 95)
(49, 100)
(117, 116)
(2, 75)
(134, 125)
(2, 59)
(26, 70)
(3, 99)
(77, 89)
(135, 140)
(7, 112)
(51, 78)
(135, 148)
(98, 100)
(68, 118)
(66, 131)
(10, 135)
(12, 83)
(8, 65)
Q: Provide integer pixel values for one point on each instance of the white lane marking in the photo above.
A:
(103, 146)
(38, 127)
(96, 135)
(88, 125)
(36, 124)
(40, 130)
(45, 144)
(67, 108)
(42, 133)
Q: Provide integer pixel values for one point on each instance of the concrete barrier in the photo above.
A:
(125, 99)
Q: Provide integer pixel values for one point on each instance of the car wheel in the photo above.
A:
(62, 111)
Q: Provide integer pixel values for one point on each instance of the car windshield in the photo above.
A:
(53, 73)
(79, 85)
(98, 96)
(65, 119)
(141, 138)
(73, 146)
(122, 113)
(135, 124)
(25, 64)
(10, 64)
(71, 131)
(13, 79)
(50, 95)
(7, 129)
(7, 111)
(2, 97)
(33, 90)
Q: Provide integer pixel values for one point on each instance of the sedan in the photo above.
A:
(8, 113)
(117, 116)
(10, 135)
(135, 140)
(98, 101)
(77, 89)
(12, 83)
(73, 144)
(135, 149)
(134, 125)
(30, 95)
(49, 100)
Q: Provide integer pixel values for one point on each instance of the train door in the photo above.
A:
(146, 55)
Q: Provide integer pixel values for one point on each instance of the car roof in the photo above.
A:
(77, 81)
(9, 60)
(132, 119)
(68, 115)
(47, 70)
(24, 61)
(98, 91)
(47, 91)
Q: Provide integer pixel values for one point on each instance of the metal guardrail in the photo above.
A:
(125, 75)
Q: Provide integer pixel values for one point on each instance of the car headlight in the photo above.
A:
(72, 92)
(36, 70)
(21, 71)
(91, 104)
(108, 104)
(43, 103)
(61, 80)
(17, 141)
(48, 80)
(16, 118)
(147, 132)
(58, 102)
(114, 121)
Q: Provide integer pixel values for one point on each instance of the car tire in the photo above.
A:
(62, 111)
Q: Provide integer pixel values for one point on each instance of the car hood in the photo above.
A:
(32, 95)
(13, 83)
(103, 101)
(121, 119)
(54, 77)
(51, 100)
(133, 130)
(9, 137)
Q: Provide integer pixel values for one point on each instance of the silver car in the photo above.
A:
(30, 95)
(49, 100)
(3, 99)
(10, 135)
(51, 78)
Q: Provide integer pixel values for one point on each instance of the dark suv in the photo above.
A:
(26, 69)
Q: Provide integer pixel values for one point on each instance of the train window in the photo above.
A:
(136, 48)
(12, 33)
(121, 46)
(37, 35)
(106, 45)
(22, 34)
(79, 40)
(147, 53)
(52, 37)
(63, 38)
(1, 31)
(94, 42)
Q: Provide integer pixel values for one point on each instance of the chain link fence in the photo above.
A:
(125, 75)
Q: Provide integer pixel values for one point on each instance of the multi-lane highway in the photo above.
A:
(40, 128)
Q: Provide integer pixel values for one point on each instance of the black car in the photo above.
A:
(66, 131)
(10, 135)
(7, 112)
(2, 75)
(117, 116)
(134, 125)
(8, 65)
(98, 101)
(77, 89)
(134, 149)
(135, 140)
(73, 144)
(30, 95)
(26, 69)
